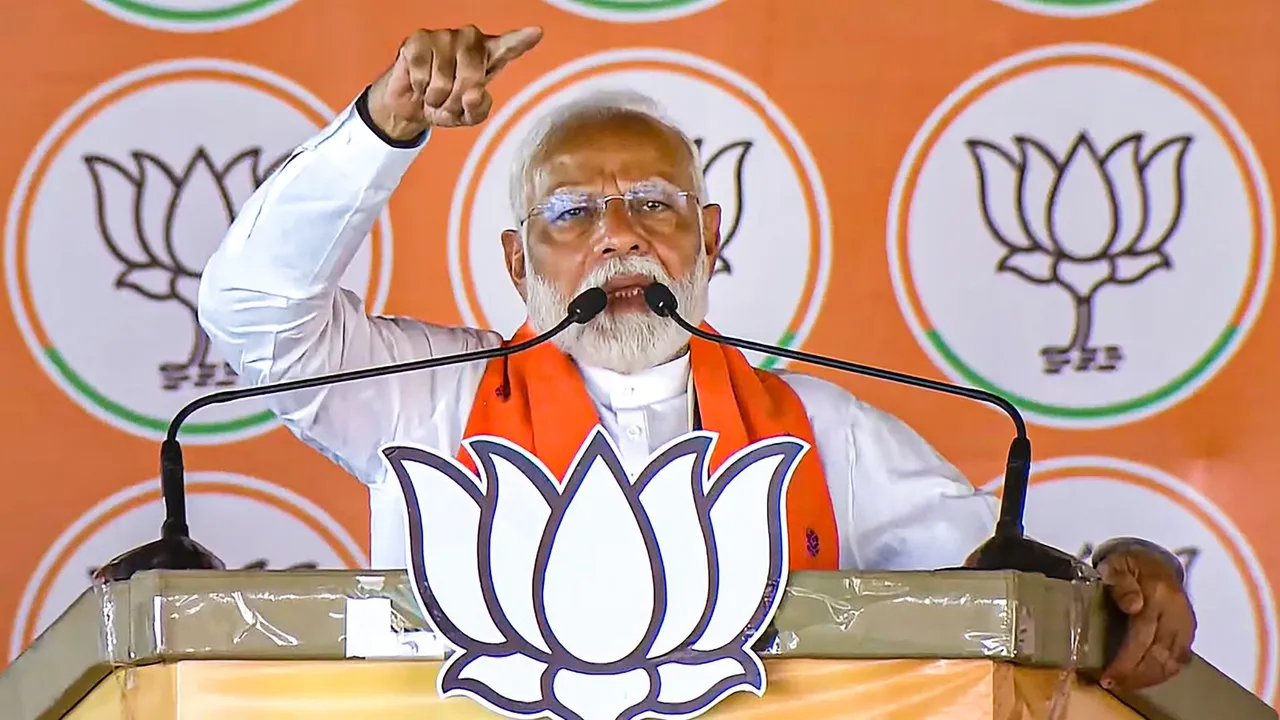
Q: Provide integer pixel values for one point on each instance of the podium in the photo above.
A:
(251, 645)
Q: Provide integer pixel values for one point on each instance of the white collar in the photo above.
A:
(637, 390)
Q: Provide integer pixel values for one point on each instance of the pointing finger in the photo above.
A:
(504, 48)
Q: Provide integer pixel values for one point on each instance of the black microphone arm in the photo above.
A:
(175, 550)
(1008, 548)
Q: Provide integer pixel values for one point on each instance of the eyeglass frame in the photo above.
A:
(602, 202)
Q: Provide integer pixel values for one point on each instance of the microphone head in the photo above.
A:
(660, 300)
(590, 303)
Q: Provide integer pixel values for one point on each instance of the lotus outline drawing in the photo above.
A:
(1082, 222)
(725, 172)
(606, 596)
(161, 223)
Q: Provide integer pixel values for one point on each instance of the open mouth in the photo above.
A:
(626, 287)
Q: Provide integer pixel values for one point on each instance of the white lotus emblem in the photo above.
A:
(1082, 222)
(605, 597)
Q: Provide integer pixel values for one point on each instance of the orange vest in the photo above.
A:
(538, 400)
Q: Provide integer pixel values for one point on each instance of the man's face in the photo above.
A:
(614, 207)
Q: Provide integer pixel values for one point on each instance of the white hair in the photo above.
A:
(598, 105)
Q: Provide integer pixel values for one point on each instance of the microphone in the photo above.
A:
(1008, 548)
(176, 550)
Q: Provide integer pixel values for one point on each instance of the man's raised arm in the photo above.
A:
(269, 296)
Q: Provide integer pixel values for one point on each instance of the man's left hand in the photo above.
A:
(1162, 623)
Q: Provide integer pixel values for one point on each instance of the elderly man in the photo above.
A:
(606, 194)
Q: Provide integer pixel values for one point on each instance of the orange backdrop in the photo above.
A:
(1065, 200)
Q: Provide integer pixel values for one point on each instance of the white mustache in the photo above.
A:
(628, 342)
(630, 265)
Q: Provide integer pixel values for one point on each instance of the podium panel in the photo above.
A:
(952, 644)
(405, 690)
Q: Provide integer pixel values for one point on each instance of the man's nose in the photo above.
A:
(618, 233)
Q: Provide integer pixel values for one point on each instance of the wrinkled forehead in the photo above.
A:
(610, 154)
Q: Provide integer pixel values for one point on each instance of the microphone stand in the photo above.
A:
(1008, 548)
(176, 550)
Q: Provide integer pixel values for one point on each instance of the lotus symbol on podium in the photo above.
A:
(607, 596)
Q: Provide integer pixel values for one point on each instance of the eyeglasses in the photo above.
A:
(571, 215)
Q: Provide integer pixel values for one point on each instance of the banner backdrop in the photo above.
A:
(1063, 200)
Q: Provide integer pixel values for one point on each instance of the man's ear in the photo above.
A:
(711, 232)
(513, 254)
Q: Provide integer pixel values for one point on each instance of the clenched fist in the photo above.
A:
(440, 79)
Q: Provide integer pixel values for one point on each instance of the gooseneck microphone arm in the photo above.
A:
(1008, 548)
(662, 302)
(584, 308)
(581, 310)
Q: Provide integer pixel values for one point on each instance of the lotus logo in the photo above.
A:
(161, 224)
(725, 172)
(605, 596)
(1082, 222)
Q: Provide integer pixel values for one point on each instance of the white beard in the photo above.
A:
(627, 342)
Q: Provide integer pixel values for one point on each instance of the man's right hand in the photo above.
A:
(440, 79)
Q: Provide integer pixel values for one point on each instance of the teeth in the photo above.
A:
(628, 292)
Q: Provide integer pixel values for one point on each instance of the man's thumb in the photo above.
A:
(1122, 582)
(506, 47)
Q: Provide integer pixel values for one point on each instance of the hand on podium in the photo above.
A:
(1148, 588)
(1146, 583)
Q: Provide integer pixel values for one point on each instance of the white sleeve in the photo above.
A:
(912, 509)
(271, 304)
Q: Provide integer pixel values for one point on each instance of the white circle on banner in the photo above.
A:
(1075, 503)
(244, 521)
(190, 15)
(1097, 259)
(115, 214)
(1075, 8)
(776, 223)
(633, 11)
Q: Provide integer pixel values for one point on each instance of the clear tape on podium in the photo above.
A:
(1021, 619)
(1057, 706)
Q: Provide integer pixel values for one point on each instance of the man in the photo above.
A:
(606, 194)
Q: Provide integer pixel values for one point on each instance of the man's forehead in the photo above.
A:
(636, 186)
(616, 138)
(621, 124)
(616, 149)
